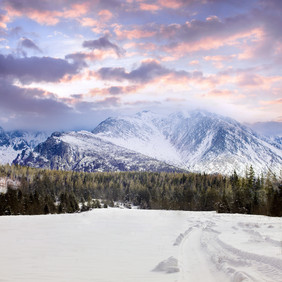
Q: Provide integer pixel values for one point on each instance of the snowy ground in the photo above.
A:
(136, 245)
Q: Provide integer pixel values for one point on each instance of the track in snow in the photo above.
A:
(126, 245)
(202, 254)
(193, 260)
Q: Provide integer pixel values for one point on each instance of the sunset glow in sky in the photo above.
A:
(69, 64)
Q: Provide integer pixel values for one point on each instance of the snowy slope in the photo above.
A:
(83, 151)
(140, 133)
(13, 142)
(197, 141)
(137, 245)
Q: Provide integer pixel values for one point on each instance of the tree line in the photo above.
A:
(52, 191)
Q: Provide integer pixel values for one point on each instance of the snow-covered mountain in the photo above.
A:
(196, 141)
(13, 142)
(83, 151)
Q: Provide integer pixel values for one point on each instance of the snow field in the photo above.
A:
(141, 245)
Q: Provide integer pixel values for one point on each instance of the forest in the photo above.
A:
(51, 191)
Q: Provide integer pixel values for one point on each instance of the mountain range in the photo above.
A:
(196, 141)
(14, 142)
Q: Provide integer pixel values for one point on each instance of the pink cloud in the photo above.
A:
(272, 102)
(88, 22)
(4, 19)
(71, 78)
(94, 55)
(212, 18)
(252, 80)
(135, 33)
(105, 15)
(97, 25)
(76, 10)
(219, 58)
(194, 63)
(250, 47)
(206, 43)
(42, 17)
(149, 7)
(49, 17)
(172, 4)
(219, 93)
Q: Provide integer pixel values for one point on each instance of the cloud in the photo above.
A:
(4, 19)
(36, 69)
(146, 72)
(219, 58)
(44, 11)
(32, 101)
(136, 32)
(174, 4)
(115, 90)
(80, 58)
(272, 102)
(105, 15)
(103, 43)
(219, 93)
(149, 7)
(194, 63)
(36, 109)
(26, 43)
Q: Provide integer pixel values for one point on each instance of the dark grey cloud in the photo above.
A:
(32, 108)
(47, 5)
(42, 5)
(145, 73)
(114, 90)
(29, 44)
(29, 100)
(36, 69)
(214, 27)
(78, 58)
(103, 43)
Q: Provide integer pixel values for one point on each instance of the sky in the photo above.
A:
(69, 64)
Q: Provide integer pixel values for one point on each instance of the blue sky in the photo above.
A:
(69, 64)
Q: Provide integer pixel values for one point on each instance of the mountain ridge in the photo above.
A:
(197, 141)
(82, 151)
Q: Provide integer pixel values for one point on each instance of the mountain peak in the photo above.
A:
(197, 141)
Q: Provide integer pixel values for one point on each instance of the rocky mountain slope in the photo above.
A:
(13, 143)
(83, 151)
(196, 141)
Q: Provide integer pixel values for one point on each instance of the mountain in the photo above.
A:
(83, 151)
(272, 130)
(196, 141)
(13, 142)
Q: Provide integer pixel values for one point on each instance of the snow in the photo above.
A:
(197, 141)
(141, 245)
(31, 139)
(7, 154)
(141, 134)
